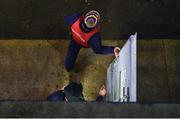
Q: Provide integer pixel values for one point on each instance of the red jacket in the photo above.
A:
(79, 36)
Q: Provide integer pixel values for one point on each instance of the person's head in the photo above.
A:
(91, 19)
(71, 93)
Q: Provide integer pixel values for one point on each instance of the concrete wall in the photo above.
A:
(45, 18)
(90, 109)
(158, 71)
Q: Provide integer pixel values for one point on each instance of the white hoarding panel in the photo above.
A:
(121, 74)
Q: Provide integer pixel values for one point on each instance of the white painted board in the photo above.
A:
(121, 74)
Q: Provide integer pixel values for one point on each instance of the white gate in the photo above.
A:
(121, 74)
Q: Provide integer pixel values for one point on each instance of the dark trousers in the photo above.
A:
(73, 51)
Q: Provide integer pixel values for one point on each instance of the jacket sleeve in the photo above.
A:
(100, 98)
(98, 48)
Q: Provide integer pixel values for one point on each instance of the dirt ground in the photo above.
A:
(32, 69)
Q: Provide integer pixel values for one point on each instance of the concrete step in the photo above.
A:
(90, 109)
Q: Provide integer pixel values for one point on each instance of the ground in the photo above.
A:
(32, 69)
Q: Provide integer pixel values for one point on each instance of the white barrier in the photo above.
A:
(121, 74)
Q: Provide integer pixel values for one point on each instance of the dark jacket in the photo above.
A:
(72, 92)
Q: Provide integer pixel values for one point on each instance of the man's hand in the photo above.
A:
(116, 51)
(63, 88)
(102, 91)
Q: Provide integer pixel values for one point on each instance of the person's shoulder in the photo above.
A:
(73, 16)
(56, 96)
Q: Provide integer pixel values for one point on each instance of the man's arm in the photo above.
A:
(95, 44)
(57, 96)
(100, 98)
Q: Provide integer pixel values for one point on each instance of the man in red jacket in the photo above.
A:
(85, 33)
